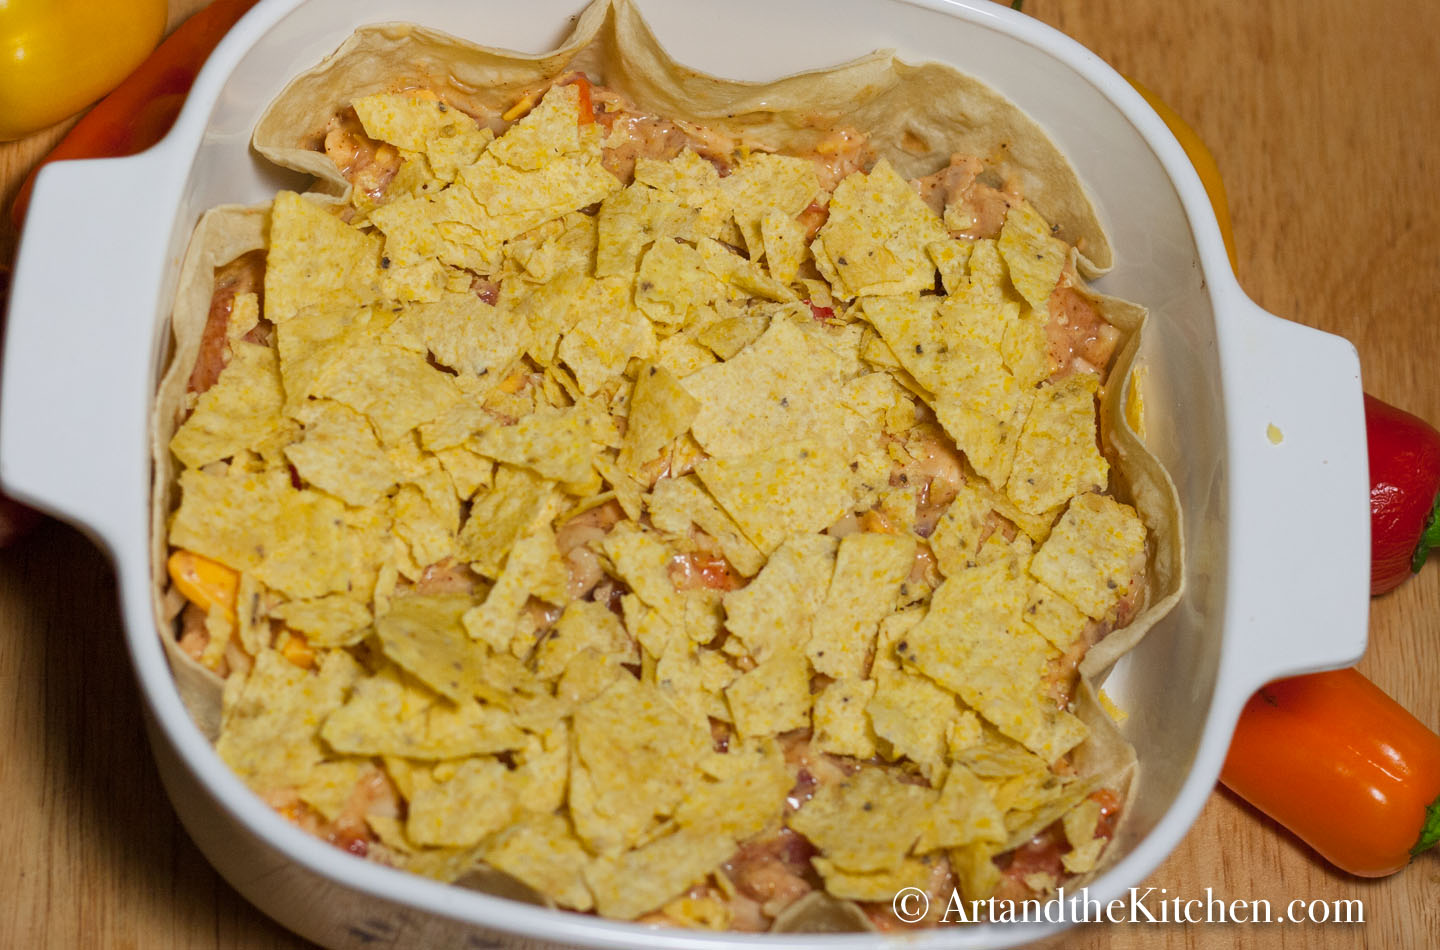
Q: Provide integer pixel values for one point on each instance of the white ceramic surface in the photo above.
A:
(1276, 534)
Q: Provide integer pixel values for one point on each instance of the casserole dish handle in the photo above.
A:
(81, 343)
(1299, 490)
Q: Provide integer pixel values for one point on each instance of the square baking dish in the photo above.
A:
(1275, 532)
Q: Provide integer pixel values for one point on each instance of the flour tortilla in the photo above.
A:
(916, 116)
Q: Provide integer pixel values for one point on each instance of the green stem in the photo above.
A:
(1429, 538)
(1430, 833)
(1015, 5)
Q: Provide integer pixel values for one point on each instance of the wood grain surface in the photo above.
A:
(1325, 122)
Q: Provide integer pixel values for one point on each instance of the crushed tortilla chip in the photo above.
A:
(315, 259)
(240, 411)
(583, 625)
(763, 183)
(747, 792)
(553, 443)
(630, 221)
(842, 726)
(1057, 456)
(1056, 618)
(869, 569)
(673, 282)
(339, 453)
(642, 561)
(463, 333)
(865, 822)
(910, 873)
(965, 813)
(331, 784)
(461, 810)
(332, 621)
(1092, 555)
(783, 387)
(773, 612)
(772, 698)
(676, 503)
(784, 241)
(424, 635)
(534, 568)
(875, 238)
(609, 333)
(543, 852)
(1080, 826)
(271, 728)
(395, 388)
(779, 492)
(387, 714)
(638, 755)
(518, 500)
(913, 715)
(641, 880)
(660, 410)
(1034, 255)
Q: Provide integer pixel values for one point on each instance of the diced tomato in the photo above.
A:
(1109, 812)
(1040, 855)
(701, 571)
(821, 313)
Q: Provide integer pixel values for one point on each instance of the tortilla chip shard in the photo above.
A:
(773, 612)
(869, 569)
(480, 798)
(865, 822)
(875, 238)
(241, 410)
(543, 852)
(763, 183)
(389, 714)
(772, 698)
(782, 491)
(638, 754)
(315, 259)
(1093, 554)
(783, 387)
(660, 410)
(842, 726)
(423, 635)
(1058, 455)
(641, 880)
(340, 454)
(270, 731)
(1035, 256)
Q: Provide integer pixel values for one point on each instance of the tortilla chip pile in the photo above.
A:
(653, 395)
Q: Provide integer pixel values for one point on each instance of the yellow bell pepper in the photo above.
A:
(298, 651)
(58, 56)
(1203, 161)
(205, 583)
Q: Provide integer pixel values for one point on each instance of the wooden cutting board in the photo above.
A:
(1325, 121)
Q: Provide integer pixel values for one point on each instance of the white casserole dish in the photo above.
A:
(1276, 535)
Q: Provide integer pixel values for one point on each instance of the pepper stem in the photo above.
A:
(1430, 832)
(1429, 538)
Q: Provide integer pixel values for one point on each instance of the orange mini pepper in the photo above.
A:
(1343, 766)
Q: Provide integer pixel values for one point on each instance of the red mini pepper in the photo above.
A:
(1404, 493)
(139, 112)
